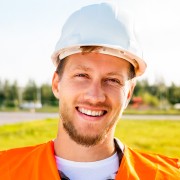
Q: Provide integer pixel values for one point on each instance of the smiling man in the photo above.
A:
(93, 91)
(97, 60)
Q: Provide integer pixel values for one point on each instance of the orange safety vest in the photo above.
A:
(38, 163)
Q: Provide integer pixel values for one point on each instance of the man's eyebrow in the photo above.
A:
(81, 67)
(115, 74)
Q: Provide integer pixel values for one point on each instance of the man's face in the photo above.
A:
(93, 92)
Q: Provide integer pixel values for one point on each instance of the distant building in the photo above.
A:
(177, 106)
(31, 105)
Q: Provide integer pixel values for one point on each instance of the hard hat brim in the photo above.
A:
(138, 63)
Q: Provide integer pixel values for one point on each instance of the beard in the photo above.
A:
(84, 140)
(81, 138)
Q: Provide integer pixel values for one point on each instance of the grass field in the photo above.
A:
(148, 135)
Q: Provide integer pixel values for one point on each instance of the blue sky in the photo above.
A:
(29, 30)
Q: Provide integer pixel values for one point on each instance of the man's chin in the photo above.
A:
(85, 140)
(82, 138)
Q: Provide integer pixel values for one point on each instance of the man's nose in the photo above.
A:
(95, 93)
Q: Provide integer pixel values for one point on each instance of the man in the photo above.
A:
(97, 60)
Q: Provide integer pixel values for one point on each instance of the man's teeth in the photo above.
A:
(91, 113)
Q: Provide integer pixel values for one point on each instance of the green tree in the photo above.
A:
(10, 93)
(141, 87)
(14, 93)
(30, 92)
(174, 94)
(150, 100)
(2, 95)
(47, 96)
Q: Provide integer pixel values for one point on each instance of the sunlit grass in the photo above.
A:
(148, 135)
(29, 133)
(151, 135)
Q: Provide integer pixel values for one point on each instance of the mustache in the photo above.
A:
(95, 105)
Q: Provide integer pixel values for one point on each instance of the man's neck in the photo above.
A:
(66, 148)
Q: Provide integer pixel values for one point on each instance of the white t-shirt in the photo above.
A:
(105, 169)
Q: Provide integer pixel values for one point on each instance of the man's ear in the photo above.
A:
(132, 85)
(55, 85)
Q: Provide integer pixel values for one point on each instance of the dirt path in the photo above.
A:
(14, 117)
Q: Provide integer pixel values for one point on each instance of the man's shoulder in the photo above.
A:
(29, 162)
(153, 158)
(21, 152)
(151, 163)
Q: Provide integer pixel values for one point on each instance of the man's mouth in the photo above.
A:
(91, 112)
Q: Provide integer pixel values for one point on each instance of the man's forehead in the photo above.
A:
(106, 69)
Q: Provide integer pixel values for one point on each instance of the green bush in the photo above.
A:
(150, 100)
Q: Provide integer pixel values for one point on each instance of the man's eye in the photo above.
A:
(81, 75)
(114, 81)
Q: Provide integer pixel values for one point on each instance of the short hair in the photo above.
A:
(89, 49)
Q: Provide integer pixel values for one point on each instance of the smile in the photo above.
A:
(90, 112)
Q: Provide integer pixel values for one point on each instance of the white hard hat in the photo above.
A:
(100, 25)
